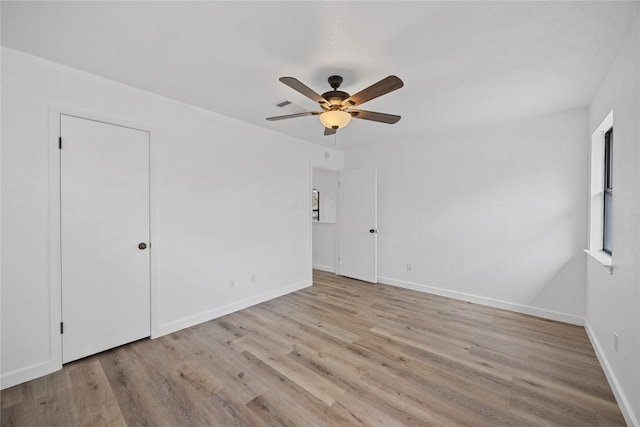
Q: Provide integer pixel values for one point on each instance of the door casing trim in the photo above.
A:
(55, 260)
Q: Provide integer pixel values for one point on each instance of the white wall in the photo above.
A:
(325, 232)
(613, 300)
(230, 201)
(495, 215)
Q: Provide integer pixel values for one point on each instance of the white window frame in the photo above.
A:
(596, 196)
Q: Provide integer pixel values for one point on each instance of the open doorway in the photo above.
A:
(324, 196)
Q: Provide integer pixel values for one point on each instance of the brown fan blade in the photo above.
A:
(297, 85)
(293, 116)
(329, 131)
(376, 117)
(384, 86)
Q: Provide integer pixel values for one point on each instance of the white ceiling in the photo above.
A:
(463, 63)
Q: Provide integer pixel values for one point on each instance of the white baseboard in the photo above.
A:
(28, 373)
(519, 308)
(621, 398)
(227, 309)
(327, 268)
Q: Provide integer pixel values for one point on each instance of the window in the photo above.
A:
(601, 195)
(315, 205)
(608, 192)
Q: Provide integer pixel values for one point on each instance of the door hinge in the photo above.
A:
(60, 143)
(61, 327)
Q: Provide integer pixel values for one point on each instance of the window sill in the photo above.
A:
(603, 258)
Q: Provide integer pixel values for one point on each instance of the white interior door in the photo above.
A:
(104, 184)
(358, 224)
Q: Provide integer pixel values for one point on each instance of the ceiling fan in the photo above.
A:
(337, 106)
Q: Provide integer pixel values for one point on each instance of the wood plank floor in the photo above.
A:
(340, 353)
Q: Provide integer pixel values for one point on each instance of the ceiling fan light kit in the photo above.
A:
(338, 106)
(335, 119)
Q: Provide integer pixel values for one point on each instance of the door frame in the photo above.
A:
(55, 231)
(337, 231)
(316, 165)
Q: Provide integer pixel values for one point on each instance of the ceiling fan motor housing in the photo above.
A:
(335, 98)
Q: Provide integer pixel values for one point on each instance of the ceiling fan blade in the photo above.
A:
(297, 85)
(376, 117)
(329, 131)
(293, 116)
(384, 86)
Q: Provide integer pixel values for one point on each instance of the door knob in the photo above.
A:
(142, 246)
(373, 231)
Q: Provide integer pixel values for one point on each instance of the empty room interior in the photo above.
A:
(320, 213)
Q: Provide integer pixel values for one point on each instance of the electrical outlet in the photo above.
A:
(616, 341)
(253, 278)
(232, 284)
(409, 267)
